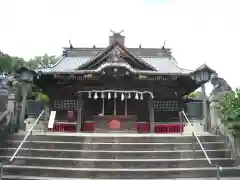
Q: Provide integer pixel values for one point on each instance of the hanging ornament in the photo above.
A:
(141, 97)
(129, 95)
(102, 95)
(136, 96)
(89, 95)
(95, 96)
(115, 95)
(122, 97)
(109, 95)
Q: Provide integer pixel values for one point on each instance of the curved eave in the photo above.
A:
(204, 68)
(25, 68)
(167, 71)
(100, 68)
(189, 84)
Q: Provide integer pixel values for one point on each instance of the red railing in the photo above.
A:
(142, 127)
(169, 128)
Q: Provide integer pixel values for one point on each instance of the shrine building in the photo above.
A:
(118, 88)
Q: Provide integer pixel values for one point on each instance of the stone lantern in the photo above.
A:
(25, 78)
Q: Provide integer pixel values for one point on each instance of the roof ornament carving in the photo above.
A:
(117, 33)
(116, 52)
(70, 44)
(164, 43)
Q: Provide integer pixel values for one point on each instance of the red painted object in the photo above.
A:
(89, 126)
(143, 127)
(114, 124)
(70, 116)
(169, 128)
(59, 127)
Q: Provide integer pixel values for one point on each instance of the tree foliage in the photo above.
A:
(44, 61)
(41, 97)
(193, 94)
(5, 63)
(230, 109)
(8, 63)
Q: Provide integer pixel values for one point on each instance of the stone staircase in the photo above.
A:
(115, 157)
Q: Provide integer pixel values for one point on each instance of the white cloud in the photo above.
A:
(199, 31)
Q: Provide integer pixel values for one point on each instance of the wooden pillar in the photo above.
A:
(115, 106)
(79, 112)
(126, 106)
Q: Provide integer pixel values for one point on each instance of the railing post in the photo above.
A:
(30, 138)
(1, 175)
(181, 122)
(218, 172)
(193, 145)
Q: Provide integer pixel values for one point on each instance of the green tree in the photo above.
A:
(44, 61)
(193, 94)
(8, 63)
(16, 61)
(5, 63)
(229, 106)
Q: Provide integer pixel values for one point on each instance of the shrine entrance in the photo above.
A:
(111, 110)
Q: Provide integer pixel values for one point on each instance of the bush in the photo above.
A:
(43, 98)
(230, 109)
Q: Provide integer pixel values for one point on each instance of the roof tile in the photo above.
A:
(162, 64)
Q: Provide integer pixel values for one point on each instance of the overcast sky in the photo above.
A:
(198, 31)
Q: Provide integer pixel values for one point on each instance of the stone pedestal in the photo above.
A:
(215, 119)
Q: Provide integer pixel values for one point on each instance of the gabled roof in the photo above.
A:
(116, 49)
(155, 61)
(160, 61)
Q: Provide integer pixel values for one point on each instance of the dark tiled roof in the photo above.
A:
(76, 52)
(67, 64)
(158, 58)
(161, 64)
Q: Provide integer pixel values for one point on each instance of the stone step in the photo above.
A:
(53, 178)
(123, 139)
(170, 154)
(123, 173)
(116, 163)
(114, 146)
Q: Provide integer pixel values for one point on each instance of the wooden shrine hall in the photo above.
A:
(118, 89)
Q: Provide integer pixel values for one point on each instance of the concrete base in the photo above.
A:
(39, 127)
(197, 126)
